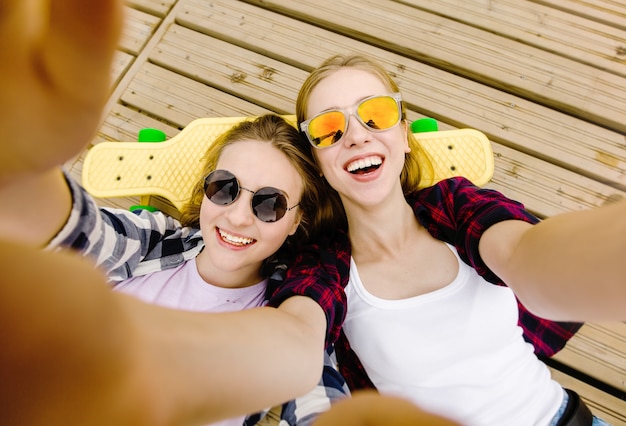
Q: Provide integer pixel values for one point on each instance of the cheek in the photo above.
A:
(396, 142)
(203, 207)
(274, 236)
(324, 160)
(208, 210)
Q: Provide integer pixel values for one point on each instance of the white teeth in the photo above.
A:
(233, 239)
(364, 163)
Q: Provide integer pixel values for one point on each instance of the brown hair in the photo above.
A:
(410, 176)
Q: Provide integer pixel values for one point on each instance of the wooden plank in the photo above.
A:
(138, 28)
(574, 37)
(544, 188)
(253, 77)
(122, 61)
(543, 77)
(601, 404)
(155, 7)
(123, 124)
(141, 57)
(170, 97)
(507, 120)
(610, 12)
(599, 350)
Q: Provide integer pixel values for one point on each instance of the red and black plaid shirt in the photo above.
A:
(454, 211)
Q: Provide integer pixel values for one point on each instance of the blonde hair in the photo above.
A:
(410, 176)
(284, 137)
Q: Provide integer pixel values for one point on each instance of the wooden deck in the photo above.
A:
(544, 79)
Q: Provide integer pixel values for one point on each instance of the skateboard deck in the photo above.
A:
(170, 168)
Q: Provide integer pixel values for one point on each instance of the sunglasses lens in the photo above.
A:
(327, 128)
(269, 204)
(379, 113)
(221, 187)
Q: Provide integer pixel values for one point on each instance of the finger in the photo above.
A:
(21, 21)
(79, 46)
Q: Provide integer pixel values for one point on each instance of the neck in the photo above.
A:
(380, 230)
(219, 277)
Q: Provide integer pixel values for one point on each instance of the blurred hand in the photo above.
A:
(368, 408)
(55, 66)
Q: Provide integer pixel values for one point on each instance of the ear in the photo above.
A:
(296, 222)
(405, 135)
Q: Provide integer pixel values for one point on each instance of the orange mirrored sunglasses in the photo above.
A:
(375, 113)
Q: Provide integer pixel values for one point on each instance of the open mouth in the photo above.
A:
(365, 165)
(234, 239)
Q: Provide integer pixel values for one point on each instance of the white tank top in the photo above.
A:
(457, 351)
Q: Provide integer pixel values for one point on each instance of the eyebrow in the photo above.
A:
(337, 107)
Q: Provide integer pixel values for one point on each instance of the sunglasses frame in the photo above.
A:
(351, 111)
(277, 192)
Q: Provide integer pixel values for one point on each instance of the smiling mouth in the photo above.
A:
(365, 165)
(234, 239)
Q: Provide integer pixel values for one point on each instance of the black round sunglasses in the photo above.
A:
(268, 204)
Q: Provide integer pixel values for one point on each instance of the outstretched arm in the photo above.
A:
(569, 267)
(73, 351)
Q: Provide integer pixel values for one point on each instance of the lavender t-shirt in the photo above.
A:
(183, 288)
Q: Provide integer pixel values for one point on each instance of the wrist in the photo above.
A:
(34, 207)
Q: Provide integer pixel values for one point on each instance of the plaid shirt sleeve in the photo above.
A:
(121, 242)
(320, 271)
(458, 212)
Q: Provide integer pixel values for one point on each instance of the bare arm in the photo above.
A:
(34, 207)
(569, 267)
(75, 350)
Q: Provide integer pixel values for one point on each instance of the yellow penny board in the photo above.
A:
(170, 169)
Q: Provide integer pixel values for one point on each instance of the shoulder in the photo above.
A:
(320, 272)
(457, 200)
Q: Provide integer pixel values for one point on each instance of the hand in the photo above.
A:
(55, 66)
(368, 408)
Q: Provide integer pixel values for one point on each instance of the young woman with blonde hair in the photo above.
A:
(436, 273)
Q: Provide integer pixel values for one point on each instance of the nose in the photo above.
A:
(239, 213)
(356, 133)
